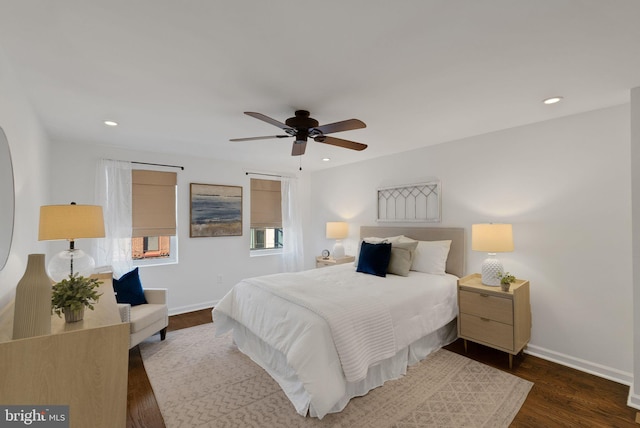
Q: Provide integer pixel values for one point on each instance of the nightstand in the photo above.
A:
(320, 262)
(492, 317)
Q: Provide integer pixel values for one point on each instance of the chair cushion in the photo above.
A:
(129, 289)
(143, 316)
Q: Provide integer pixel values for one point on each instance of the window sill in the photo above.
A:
(267, 252)
(145, 263)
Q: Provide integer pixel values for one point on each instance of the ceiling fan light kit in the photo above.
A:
(302, 127)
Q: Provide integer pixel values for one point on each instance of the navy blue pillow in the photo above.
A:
(129, 289)
(374, 258)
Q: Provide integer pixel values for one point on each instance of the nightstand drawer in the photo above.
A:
(485, 306)
(487, 331)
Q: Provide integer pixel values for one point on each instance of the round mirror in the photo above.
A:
(7, 198)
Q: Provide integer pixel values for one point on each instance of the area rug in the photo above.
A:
(200, 380)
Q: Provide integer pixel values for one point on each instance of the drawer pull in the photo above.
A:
(485, 319)
(484, 295)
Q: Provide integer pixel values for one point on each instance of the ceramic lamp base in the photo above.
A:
(491, 267)
(338, 250)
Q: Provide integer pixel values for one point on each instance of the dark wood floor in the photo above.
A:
(561, 396)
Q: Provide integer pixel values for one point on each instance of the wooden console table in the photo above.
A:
(83, 365)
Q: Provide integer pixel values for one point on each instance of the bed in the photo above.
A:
(327, 335)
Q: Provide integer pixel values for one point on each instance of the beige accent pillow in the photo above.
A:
(402, 254)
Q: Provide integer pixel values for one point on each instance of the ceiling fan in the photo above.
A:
(302, 127)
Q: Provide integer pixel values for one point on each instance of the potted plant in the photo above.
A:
(71, 295)
(505, 280)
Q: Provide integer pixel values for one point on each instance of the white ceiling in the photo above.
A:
(178, 75)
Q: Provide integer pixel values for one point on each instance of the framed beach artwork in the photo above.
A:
(216, 210)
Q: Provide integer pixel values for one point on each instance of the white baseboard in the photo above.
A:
(596, 369)
(633, 400)
(191, 308)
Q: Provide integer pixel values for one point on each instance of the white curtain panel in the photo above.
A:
(292, 252)
(113, 192)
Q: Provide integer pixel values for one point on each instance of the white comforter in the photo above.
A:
(416, 305)
(361, 325)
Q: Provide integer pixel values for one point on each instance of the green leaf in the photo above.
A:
(74, 292)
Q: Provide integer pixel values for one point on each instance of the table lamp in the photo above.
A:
(491, 238)
(70, 222)
(337, 230)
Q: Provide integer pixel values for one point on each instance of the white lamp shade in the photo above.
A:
(337, 230)
(492, 237)
(70, 222)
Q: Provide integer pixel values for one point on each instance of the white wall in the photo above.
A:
(30, 155)
(193, 283)
(565, 186)
(634, 392)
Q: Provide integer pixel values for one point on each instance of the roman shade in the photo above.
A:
(266, 204)
(154, 203)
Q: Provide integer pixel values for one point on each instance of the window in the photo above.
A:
(154, 217)
(151, 247)
(266, 238)
(266, 214)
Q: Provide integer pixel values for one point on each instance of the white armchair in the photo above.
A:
(148, 319)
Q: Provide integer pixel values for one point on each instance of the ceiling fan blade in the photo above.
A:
(267, 119)
(340, 143)
(345, 125)
(298, 148)
(259, 138)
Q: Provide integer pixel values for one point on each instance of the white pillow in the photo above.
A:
(431, 257)
(405, 239)
(376, 240)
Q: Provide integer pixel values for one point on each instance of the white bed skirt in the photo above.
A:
(274, 362)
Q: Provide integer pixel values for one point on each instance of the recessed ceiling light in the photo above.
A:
(326, 159)
(552, 100)
(110, 123)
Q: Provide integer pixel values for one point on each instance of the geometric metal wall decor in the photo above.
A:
(410, 203)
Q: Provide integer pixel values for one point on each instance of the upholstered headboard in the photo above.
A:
(455, 261)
